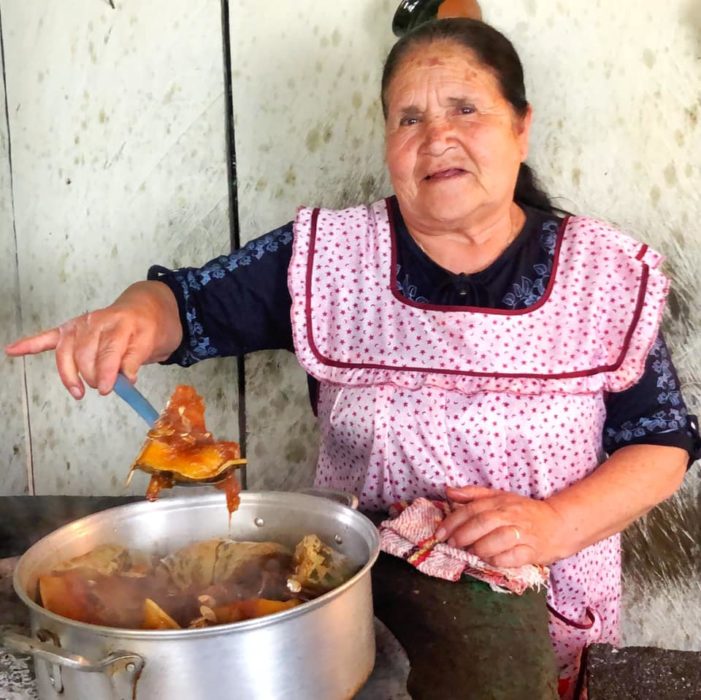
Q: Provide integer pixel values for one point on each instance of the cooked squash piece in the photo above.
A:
(260, 607)
(156, 618)
(65, 595)
(179, 448)
(251, 609)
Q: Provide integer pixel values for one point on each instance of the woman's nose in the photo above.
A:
(437, 135)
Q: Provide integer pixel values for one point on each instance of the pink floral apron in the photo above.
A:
(415, 397)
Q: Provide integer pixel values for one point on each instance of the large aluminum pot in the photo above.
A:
(323, 649)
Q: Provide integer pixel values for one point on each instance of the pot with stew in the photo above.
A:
(172, 600)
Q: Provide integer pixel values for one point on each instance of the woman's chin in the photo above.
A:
(449, 202)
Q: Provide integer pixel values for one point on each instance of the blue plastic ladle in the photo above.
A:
(129, 393)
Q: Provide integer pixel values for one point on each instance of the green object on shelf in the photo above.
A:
(463, 639)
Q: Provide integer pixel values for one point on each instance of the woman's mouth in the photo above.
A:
(446, 174)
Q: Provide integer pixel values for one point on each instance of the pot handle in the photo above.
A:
(343, 497)
(124, 667)
(52, 654)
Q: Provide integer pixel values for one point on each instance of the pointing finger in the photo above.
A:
(34, 344)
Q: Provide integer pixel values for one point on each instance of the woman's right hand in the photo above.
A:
(141, 326)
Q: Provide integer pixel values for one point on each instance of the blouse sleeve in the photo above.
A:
(653, 411)
(235, 304)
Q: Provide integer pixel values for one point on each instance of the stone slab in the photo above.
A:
(642, 673)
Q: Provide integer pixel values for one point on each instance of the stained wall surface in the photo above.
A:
(309, 131)
(13, 446)
(118, 136)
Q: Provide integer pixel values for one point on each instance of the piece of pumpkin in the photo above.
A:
(65, 594)
(260, 607)
(251, 609)
(87, 596)
(179, 448)
(156, 618)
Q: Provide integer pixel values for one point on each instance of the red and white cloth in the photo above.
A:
(410, 536)
(416, 397)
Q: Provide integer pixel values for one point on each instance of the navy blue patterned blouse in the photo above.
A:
(240, 303)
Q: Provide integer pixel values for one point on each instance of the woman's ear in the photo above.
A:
(523, 131)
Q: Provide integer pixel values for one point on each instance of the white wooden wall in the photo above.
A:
(13, 433)
(118, 149)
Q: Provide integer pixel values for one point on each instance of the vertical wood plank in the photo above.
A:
(117, 119)
(309, 131)
(13, 429)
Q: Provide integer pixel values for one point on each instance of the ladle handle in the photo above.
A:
(129, 393)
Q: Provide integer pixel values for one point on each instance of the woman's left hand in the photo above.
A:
(502, 528)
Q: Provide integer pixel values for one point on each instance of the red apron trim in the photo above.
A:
(572, 623)
(642, 289)
(641, 252)
(563, 686)
(472, 309)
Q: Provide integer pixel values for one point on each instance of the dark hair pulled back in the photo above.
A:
(494, 51)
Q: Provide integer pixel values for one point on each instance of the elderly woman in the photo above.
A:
(463, 338)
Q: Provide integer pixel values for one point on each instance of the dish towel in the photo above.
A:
(409, 534)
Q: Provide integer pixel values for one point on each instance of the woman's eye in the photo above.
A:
(466, 109)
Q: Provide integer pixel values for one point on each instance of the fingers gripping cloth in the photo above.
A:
(409, 534)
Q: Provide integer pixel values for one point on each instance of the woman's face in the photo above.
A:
(453, 143)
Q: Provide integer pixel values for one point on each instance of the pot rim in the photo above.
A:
(177, 503)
